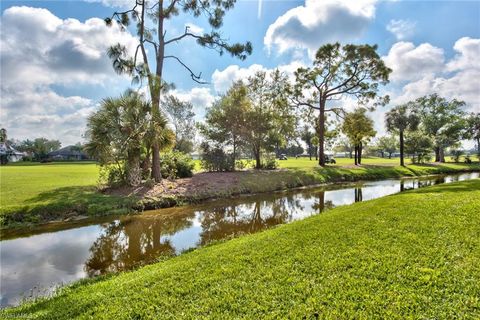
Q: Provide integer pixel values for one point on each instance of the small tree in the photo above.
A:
(358, 128)
(473, 130)
(398, 120)
(354, 70)
(418, 144)
(225, 120)
(443, 120)
(307, 136)
(182, 119)
(387, 144)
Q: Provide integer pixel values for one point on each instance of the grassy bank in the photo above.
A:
(380, 259)
(40, 193)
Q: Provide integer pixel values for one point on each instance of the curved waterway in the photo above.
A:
(34, 265)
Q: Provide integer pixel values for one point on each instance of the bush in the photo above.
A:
(215, 159)
(176, 164)
(111, 175)
(270, 162)
(456, 155)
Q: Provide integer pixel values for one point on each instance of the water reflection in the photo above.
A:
(45, 260)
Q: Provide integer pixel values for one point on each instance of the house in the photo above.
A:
(68, 153)
(9, 153)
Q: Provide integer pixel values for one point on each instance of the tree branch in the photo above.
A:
(196, 78)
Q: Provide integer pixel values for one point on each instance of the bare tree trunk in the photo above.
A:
(437, 154)
(256, 153)
(401, 148)
(356, 154)
(360, 147)
(441, 154)
(478, 148)
(321, 134)
(134, 172)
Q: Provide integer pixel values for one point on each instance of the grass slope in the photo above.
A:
(380, 259)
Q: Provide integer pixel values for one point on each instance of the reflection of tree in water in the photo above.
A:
(358, 195)
(258, 214)
(414, 184)
(134, 241)
(319, 204)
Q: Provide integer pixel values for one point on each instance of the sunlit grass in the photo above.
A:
(380, 259)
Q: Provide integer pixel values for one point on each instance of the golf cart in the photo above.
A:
(330, 159)
(283, 156)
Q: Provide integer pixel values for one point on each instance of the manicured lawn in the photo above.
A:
(414, 255)
(307, 163)
(52, 188)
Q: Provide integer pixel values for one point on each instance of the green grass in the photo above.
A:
(35, 192)
(307, 163)
(380, 259)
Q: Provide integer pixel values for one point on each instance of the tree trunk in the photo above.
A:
(258, 163)
(441, 154)
(234, 153)
(310, 151)
(134, 172)
(321, 134)
(382, 153)
(356, 153)
(350, 153)
(478, 148)
(316, 153)
(360, 147)
(401, 148)
(437, 154)
(389, 155)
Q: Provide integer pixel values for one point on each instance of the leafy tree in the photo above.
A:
(268, 117)
(418, 144)
(353, 70)
(225, 120)
(358, 128)
(151, 20)
(473, 130)
(398, 120)
(443, 120)
(307, 136)
(3, 135)
(117, 130)
(182, 118)
(387, 144)
(344, 145)
(39, 148)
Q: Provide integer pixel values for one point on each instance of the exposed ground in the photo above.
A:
(379, 259)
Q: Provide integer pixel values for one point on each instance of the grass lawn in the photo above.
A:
(57, 187)
(380, 259)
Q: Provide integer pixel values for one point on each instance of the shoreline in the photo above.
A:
(203, 187)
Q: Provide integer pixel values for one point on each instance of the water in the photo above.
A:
(34, 265)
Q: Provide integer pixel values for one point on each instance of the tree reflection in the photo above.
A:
(358, 195)
(134, 241)
(256, 215)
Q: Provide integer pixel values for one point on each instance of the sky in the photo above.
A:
(54, 70)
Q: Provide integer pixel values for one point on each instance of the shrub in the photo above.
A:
(176, 164)
(270, 162)
(111, 175)
(456, 155)
(215, 159)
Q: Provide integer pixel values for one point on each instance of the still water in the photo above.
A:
(34, 265)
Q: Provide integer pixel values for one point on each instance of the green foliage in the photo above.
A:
(216, 159)
(176, 164)
(269, 162)
(181, 116)
(379, 259)
(419, 145)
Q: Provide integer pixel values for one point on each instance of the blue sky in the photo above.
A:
(54, 70)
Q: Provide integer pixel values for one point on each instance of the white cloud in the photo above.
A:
(457, 78)
(194, 28)
(115, 3)
(410, 63)
(201, 98)
(38, 51)
(319, 22)
(402, 29)
(222, 80)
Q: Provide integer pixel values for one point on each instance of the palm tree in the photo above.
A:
(399, 119)
(118, 131)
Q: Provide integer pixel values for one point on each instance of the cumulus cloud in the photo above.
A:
(409, 62)
(318, 22)
(200, 98)
(115, 3)
(222, 80)
(457, 78)
(402, 29)
(40, 51)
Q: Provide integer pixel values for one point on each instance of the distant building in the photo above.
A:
(68, 153)
(9, 153)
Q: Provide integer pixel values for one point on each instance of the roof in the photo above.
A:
(67, 151)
